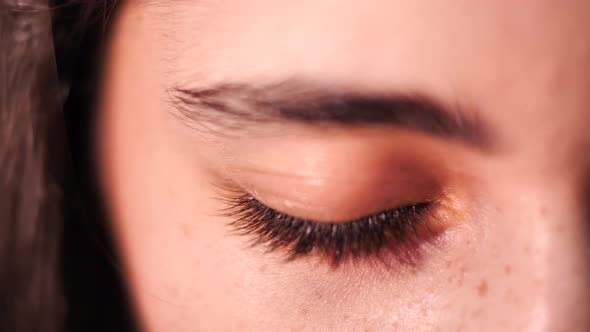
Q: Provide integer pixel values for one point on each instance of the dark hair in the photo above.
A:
(58, 269)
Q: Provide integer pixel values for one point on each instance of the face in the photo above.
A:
(351, 165)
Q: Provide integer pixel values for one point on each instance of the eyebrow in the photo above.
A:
(233, 107)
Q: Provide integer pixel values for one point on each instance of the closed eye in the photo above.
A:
(397, 232)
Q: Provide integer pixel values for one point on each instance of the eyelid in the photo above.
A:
(334, 200)
(395, 235)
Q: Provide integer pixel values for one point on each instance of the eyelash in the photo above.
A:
(399, 231)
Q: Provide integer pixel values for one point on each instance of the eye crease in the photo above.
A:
(397, 232)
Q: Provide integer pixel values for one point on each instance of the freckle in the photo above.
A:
(185, 230)
(460, 276)
(460, 281)
(543, 211)
(304, 311)
(482, 288)
(477, 313)
(171, 292)
(318, 295)
(508, 293)
(507, 269)
(448, 264)
(559, 228)
(263, 268)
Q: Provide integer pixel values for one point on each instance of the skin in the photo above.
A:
(513, 244)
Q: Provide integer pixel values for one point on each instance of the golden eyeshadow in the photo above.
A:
(396, 233)
(339, 198)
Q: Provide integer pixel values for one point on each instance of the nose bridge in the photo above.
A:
(561, 257)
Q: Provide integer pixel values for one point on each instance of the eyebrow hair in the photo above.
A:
(235, 106)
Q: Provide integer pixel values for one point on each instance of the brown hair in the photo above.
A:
(57, 266)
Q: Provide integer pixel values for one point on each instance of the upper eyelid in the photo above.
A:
(372, 215)
(317, 199)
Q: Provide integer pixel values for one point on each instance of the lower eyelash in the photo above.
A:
(396, 230)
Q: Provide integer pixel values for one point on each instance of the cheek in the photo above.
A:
(162, 216)
(527, 270)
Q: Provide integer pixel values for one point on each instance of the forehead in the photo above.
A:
(517, 49)
(362, 37)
